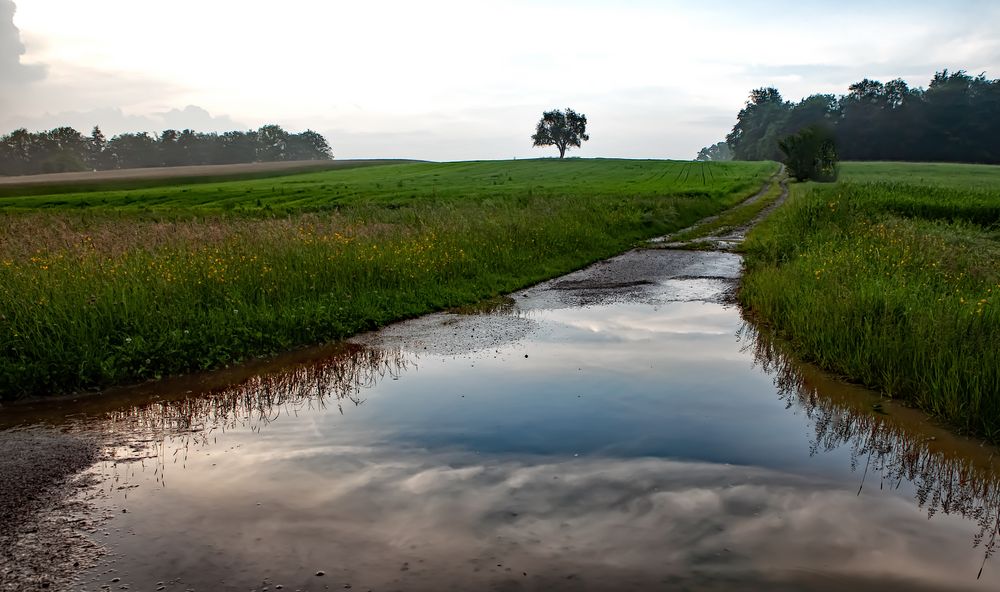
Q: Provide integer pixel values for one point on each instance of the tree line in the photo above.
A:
(955, 119)
(64, 149)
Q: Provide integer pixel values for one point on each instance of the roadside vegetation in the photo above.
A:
(891, 277)
(108, 287)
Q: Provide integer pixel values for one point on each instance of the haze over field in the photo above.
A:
(458, 80)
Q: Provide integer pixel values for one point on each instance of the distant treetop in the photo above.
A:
(955, 119)
(64, 149)
(716, 152)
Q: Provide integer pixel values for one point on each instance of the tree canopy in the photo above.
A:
(561, 129)
(955, 119)
(716, 152)
(64, 149)
(811, 153)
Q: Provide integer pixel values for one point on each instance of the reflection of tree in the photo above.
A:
(145, 431)
(947, 483)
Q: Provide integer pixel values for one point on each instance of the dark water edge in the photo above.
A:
(621, 428)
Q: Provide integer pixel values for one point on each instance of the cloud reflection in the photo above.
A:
(357, 490)
(603, 521)
(598, 523)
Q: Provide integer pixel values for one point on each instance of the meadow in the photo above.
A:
(396, 185)
(891, 277)
(104, 286)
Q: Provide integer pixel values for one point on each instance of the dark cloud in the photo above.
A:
(12, 72)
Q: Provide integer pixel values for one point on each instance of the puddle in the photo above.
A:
(620, 428)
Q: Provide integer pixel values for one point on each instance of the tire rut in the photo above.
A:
(733, 236)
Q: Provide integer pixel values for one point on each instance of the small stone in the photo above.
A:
(321, 573)
(115, 580)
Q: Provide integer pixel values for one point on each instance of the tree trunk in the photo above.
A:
(562, 151)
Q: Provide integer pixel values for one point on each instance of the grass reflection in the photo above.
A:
(950, 475)
(164, 432)
(262, 398)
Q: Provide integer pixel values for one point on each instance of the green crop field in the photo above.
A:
(401, 184)
(101, 287)
(891, 277)
(947, 175)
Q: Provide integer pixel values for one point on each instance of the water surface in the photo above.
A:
(621, 428)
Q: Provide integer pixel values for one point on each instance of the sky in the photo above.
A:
(462, 80)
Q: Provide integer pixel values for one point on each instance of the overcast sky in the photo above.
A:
(456, 80)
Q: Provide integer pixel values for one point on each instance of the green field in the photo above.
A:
(158, 177)
(101, 287)
(402, 184)
(891, 277)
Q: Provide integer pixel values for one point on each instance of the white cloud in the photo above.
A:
(455, 80)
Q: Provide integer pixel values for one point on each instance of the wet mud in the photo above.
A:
(45, 512)
(730, 238)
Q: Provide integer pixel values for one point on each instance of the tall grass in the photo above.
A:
(895, 285)
(94, 299)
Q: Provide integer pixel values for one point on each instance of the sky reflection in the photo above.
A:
(624, 444)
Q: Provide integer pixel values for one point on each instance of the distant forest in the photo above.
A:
(955, 119)
(64, 149)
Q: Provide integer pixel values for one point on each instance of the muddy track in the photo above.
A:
(729, 238)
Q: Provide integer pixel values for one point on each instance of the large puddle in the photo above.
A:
(621, 428)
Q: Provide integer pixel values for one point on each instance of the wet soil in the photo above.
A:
(44, 514)
(729, 238)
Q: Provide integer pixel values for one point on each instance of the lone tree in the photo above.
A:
(561, 129)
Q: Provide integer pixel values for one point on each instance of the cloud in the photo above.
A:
(13, 73)
(196, 118)
(113, 120)
(447, 80)
(610, 523)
